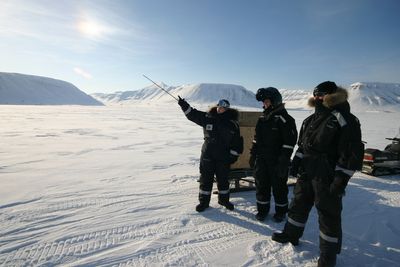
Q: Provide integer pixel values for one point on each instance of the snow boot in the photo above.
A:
(263, 210)
(260, 216)
(223, 199)
(284, 238)
(327, 260)
(279, 217)
(201, 207)
(204, 200)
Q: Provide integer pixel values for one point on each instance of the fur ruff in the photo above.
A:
(230, 113)
(332, 100)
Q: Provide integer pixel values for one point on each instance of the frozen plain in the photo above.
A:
(116, 186)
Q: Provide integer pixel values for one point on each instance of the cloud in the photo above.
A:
(83, 73)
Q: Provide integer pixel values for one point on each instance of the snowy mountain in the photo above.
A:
(203, 93)
(363, 96)
(374, 96)
(21, 89)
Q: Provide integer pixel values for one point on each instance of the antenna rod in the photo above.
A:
(160, 87)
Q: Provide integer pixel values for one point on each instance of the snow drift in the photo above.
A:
(21, 89)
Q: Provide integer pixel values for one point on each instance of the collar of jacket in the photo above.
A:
(229, 114)
(337, 101)
(332, 100)
(268, 113)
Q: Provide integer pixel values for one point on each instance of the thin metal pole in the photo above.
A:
(159, 87)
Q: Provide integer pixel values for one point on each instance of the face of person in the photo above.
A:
(267, 103)
(320, 98)
(220, 110)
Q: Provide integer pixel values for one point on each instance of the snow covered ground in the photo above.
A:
(116, 186)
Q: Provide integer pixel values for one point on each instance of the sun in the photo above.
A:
(90, 28)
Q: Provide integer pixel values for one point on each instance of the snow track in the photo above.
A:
(116, 186)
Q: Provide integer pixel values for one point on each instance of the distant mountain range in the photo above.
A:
(363, 96)
(203, 93)
(21, 89)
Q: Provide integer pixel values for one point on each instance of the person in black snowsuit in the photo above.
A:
(329, 151)
(273, 144)
(221, 148)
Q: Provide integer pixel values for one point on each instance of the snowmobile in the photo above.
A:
(386, 162)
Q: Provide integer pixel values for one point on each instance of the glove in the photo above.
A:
(233, 158)
(281, 171)
(183, 103)
(294, 166)
(282, 166)
(339, 183)
(252, 161)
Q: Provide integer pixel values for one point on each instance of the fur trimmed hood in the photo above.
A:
(230, 113)
(332, 100)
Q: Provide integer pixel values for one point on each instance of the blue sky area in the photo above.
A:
(106, 46)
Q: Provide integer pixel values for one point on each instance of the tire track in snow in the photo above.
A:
(214, 238)
(83, 244)
(78, 247)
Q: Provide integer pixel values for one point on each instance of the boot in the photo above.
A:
(223, 199)
(201, 207)
(279, 217)
(284, 238)
(261, 216)
(326, 260)
(263, 210)
(204, 200)
(280, 212)
(226, 204)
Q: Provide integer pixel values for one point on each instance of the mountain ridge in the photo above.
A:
(363, 96)
(23, 89)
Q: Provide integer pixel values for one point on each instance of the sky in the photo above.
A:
(106, 46)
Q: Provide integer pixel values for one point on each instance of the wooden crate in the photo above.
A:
(247, 123)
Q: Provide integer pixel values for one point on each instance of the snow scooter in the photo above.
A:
(386, 162)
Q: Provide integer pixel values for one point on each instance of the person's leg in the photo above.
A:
(280, 192)
(207, 169)
(329, 208)
(222, 172)
(263, 189)
(299, 210)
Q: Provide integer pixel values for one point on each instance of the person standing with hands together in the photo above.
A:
(273, 144)
(330, 151)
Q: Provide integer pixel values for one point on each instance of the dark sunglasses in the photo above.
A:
(319, 94)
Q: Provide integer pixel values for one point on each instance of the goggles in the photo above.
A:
(319, 94)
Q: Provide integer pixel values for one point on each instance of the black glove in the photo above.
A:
(252, 161)
(294, 166)
(282, 166)
(281, 171)
(182, 102)
(339, 183)
(233, 158)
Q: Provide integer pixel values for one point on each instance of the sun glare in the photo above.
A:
(90, 28)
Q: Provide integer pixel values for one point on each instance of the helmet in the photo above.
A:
(325, 88)
(223, 103)
(270, 93)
